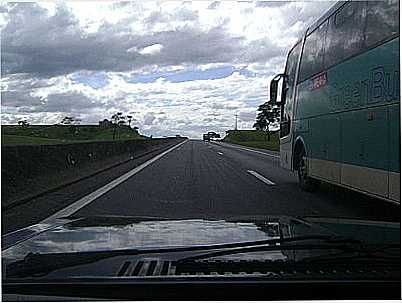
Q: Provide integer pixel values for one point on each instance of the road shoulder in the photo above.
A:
(250, 149)
(38, 209)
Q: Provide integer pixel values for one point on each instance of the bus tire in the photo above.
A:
(306, 183)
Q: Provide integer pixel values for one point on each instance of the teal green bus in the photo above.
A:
(340, 100)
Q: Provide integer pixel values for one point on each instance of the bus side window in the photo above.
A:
(382, 21)
(313, 52)
(345, 33)
(291, 67)
(287, 108)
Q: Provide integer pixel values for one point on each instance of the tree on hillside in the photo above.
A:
(267, 114)
(129, 118)
(24, 123)
(118, 120)
(72, 122)
(261, 122)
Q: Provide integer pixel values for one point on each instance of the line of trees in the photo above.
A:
(116, 121)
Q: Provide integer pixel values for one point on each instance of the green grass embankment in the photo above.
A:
(253, 138)
(61, 134)
(25, 140)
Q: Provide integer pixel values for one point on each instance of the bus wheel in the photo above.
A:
(305, 182)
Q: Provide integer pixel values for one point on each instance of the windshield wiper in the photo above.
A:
(363, 250)
(36, 264)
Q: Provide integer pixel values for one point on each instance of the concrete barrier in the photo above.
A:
(31, 169)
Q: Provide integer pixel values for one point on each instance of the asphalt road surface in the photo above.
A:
(216, 180)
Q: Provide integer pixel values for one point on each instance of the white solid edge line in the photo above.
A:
(260, 177)
(72, 208)
(219, 153)
(252, 150)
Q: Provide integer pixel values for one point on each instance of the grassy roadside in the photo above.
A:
(25, 140)
(11, 140)
(258, 144)
(253, 138)
(59, 134)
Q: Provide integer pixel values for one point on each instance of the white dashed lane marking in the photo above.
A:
(261, 177)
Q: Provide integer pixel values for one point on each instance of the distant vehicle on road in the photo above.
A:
(340, 100)
(214, 135)
(210, 135)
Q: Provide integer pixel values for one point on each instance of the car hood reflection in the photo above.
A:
(116, 233)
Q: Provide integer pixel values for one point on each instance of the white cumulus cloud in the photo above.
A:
(177, 67)
(151, 50)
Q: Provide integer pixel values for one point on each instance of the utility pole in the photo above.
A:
(236, 122)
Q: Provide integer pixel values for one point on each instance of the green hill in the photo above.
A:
(253, 138)
(59, 134)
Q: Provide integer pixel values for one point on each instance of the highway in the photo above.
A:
(216, 180)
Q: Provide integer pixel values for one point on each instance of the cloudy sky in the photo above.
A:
(176, 67)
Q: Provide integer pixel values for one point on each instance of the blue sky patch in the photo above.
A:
(190, 75)
(94, 80)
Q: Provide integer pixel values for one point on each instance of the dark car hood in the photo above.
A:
(88, 246)
(113, 233)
